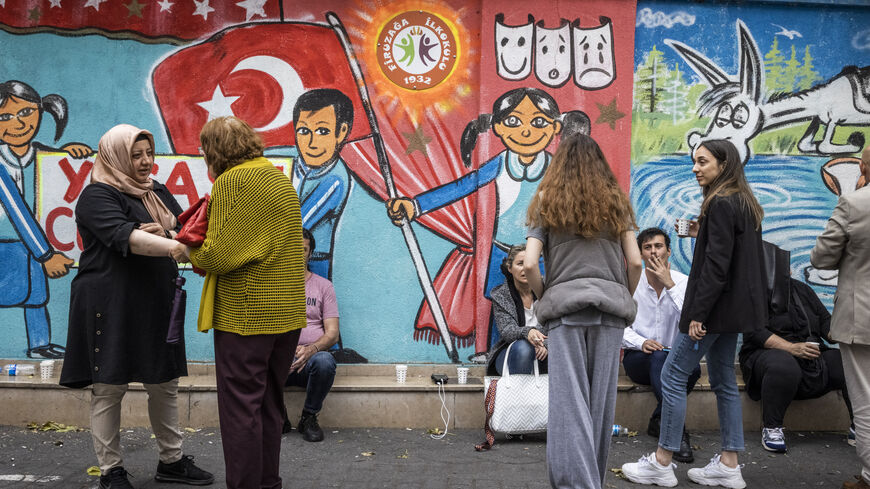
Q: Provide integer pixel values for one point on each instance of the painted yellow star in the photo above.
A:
(609, 114)
(417, 141)
(134, 8)
(34, 14)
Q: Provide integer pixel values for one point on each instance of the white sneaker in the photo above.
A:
(718, 474)
(647, 470)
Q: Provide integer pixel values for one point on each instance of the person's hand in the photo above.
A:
(540, 353)
(303, 354)
(693, 229)
(536, 338)
(650, 346)
(78, 150)
(660, 269)
(180, 253)
(805, 350)
(58, 265)
(697, 330)
(152, 228)
(400, 207)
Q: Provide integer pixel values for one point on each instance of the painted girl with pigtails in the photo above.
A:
(526, 120)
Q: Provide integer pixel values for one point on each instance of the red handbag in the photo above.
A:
(194, 225)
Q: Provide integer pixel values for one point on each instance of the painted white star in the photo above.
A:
(252, 8)
(94, 3)
(54, 3)
(219, 105)
(202, 8)
(165, 6)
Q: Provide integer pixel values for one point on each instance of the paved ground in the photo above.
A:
(397, 458)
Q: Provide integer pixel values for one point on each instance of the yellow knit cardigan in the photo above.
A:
(253, 250)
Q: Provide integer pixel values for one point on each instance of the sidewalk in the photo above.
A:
(407, 459)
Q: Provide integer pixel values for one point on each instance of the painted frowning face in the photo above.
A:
(19, 121)
(594, 66)
(316, 136)
(527, 131)
(706, 167)
(142, 157)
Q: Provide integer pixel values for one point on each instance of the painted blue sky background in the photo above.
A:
(844, 30)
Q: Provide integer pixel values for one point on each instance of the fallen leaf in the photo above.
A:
(404, 455)
(434, 431)
(618, 473)
(190, 430)
(367, 454)
(93, 470)
(52, 426)
(153, 437)
(632, 434)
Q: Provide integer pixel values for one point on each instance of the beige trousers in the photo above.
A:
(106, 422)
(856, 365)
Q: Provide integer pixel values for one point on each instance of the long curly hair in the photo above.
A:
(579, 193)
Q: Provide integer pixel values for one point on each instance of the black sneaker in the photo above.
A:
(309, 428)
(685, 454)
(115, 479)
(183, 471)
(287, 428)
(654, 427)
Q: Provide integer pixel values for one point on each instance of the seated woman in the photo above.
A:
(512, 308)
(771, 361)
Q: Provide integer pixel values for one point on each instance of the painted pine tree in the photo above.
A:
(648, 80)
(790, 73)
(673, 98)
(808, 76)
(773, 65)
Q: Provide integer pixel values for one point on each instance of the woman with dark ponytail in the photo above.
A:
(526, 120)
(23, 245)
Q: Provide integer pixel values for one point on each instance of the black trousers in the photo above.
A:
(778, 374)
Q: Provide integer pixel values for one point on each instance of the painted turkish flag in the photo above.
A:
(254, 72)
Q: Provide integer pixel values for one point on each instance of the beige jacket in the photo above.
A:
(845, 245)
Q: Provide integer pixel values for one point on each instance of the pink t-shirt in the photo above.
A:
(320, 304)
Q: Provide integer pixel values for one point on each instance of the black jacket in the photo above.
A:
(727, 288)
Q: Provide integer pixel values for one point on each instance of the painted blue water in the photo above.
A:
(796, 204)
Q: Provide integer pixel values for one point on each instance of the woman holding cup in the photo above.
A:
(726, 295)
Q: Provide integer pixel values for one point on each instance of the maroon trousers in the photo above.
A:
(251, 371)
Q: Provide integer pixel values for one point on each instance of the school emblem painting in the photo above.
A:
(417, 50)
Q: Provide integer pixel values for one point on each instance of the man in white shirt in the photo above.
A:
(648, 341)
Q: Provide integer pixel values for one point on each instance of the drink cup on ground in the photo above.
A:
(46, 369)
(401, 373)
(462, 375)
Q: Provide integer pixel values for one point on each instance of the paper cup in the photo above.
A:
(682, 227)
(462, 374)
(46, 369)
(401, 373)
(813, 343)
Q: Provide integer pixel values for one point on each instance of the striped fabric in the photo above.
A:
(254, 245)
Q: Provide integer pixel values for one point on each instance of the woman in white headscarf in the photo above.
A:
(120, 305)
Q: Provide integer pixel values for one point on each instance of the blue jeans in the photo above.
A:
(316, 376)
(646, 369)
(521, 360)
(720, 350)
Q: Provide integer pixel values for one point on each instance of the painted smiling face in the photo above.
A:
(318, 137)
(553, 54)
(19, 121)
(594, 60)
(513, 48)
(526, 131)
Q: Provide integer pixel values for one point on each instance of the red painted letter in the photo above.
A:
(186, 186)
(76, 180)
(49, 226)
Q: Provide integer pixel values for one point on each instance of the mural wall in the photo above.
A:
(415, 133)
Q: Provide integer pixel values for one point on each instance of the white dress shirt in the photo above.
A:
(658, 316)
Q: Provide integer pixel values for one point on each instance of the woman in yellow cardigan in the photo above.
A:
(253, 251)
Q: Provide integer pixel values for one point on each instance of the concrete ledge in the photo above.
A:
(368, 396)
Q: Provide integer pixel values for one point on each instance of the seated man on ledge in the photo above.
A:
(789, 360)
(659, 297)
(313, 366)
